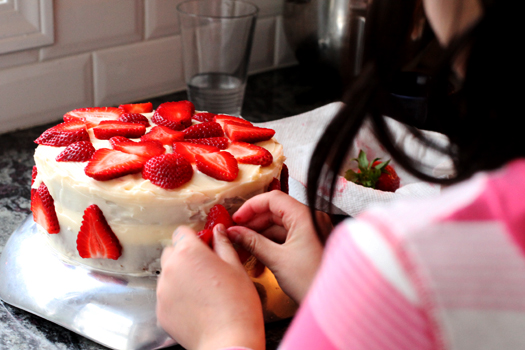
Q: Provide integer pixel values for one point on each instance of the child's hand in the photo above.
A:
(286, 243)
(205, 300)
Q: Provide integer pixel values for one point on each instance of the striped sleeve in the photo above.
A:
(361, 298)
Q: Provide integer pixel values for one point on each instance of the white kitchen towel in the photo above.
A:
(299, 135)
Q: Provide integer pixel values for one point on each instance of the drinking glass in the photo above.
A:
(217, 39)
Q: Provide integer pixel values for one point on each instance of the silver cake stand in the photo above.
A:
(117, 311)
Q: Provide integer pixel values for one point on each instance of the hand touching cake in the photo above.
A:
(111, 185)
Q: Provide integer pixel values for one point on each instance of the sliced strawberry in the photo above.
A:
(284, 179)
(219, 165)
(164, 135)
(96, 239)
(80, 151)
(92, 116)
(223, 118)
(107, 164)
(246, 153)
(43, 208)
(34, 173)
(168, 171)
(218, 215)
(274, 185)
(136, 118)
(188, 150)
(219, 142)
(245, 133)
(203, 117)
(117, 139)
(64, 134)
(109, 128)
(206, 236)
(144, 149)
(174, 115)
(202, 130)
(146, 107)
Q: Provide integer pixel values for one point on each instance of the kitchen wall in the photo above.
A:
(108, 52)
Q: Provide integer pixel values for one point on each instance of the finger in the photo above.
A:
(166, 253)
(263, 221)
(259, 246)
(275, 233)
(224, 247)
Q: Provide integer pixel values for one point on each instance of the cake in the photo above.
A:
(110, 185)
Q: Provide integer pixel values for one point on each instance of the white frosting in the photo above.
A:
(142, 215)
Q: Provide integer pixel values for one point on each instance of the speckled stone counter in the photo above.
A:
(269, 96)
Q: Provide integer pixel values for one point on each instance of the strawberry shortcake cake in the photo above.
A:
(110, 185)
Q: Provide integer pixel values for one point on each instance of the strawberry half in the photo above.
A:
(219, 165)
(92, 116)
(168, 171)
(43, 208)
(202, 130)
(203, 117)
(218, 215)
(375, 174)
(274, 185)
(144, 149)
(163, 134)
(246, 153)
(136, 118)
(223, 118)
(219, 142)
(245, 133)
(284, 179)
(80, 151)
(109, 128)
(206, 236)
(117, 139)
(107, 164)
(34, 173)
(96, 239)
(174, 115)
(146, 107)
(188, 150)
(64, 134)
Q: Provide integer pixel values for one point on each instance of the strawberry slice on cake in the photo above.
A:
(146, 107)
(219, 165)
(223, 118)
(164, 135)
(144, 149)
(107, 164)
(80, 151)
(109, 128)
(199, 131)
(64, 134)
(43, 208)
(203, 117)
(92, 116)
(168, 171)
(219, 142)
(217, 215)
(134, 118)
(96, 239)
(174, 115)
(188, 150)
(247, 133)
(246, 153)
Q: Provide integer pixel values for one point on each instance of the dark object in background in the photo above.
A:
(407, 101)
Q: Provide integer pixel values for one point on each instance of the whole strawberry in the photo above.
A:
(375, 174)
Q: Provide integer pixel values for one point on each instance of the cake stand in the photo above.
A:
(117, 311)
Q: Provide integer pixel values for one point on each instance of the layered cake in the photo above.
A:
(111, 185)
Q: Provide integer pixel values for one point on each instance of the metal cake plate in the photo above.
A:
(117, 311)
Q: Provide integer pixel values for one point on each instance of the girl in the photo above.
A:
(446, 272)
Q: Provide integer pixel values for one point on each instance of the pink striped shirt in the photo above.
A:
(446, 272)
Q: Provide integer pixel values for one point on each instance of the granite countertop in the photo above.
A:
(269, 96)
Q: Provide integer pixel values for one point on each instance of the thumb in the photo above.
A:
(224, 248)
(259, 246)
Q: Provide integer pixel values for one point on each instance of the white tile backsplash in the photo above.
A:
(161, 18)
(40, 93)
(108, 52)
(82, 26)
(142, 70)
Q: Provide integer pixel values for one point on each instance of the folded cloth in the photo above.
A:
(299, 136)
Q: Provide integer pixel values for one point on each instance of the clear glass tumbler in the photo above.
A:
(217, 39)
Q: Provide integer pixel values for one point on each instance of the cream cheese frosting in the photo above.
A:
(142, 215)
